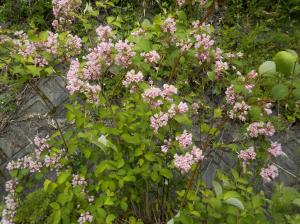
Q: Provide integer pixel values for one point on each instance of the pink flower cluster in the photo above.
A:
(104, 33)
(220, 67)
(185, 139)
(27, 162)
(185, 162)
(152, 96)
(132, 79)
(11, 203)
(78, 181)
(73, 45)
(151, 57)
(276, 149)
(85, 218)
(248, 154)
(101, 53)
(203, 41)
(180, 2)
(269, 173)
(240, 110)
(159, 120)
(124, 53)
(184, 45)
(41, 144)
(169, 25)
(63, 11)
(230, 95)
(261, 128)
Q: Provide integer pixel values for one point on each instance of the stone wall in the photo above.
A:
(44, 101)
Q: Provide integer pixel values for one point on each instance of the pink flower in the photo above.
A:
(180, 2)
(248, 154)
(85, 218)
(169, 26)
(276, 149)
(197, 154)
(240, 110)
(252, 74)
(104, 32)
(203, 41)
(73, 82)
(151, 57)
(151, 96)
(221, 66)
(132, 78)
(78, 181)
(169, 90)
(124, 53)
(195, 106)
(72, 45)
(184, 162)
(41, 144)
(260, 128)
(159, 120)
(184, 45)
(269, 173)
(182, 107)
(185, 139)
(249, 87)
(230, 95)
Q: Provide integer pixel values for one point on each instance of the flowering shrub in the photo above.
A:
(146, 111)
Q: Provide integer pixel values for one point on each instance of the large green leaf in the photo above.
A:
(268, 67)
(285, 62)
(235, 202)
(279, 92)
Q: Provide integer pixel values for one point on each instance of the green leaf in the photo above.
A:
(297, 202)
(217, 188)
(56, 217)
(235, 202)
(110, 218)
(296, 93)
(150, 156)
(285, 62)
(268, 67)
(63, 177)
(279, 92)
(166, 173)
(211, 76)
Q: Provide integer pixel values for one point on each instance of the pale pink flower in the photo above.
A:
(240, 110)
(132, 79)
(151, 56)
(269, 173)
(268, 109)
(182, 107)
(249, 87)
(248, 154)
(252, 74)
(139, 32)
(183, 162)
(159, 120)
(180, 2)
(185, 139)
(169, 26)
(78, 181)
(73, 82)
(124, 53)
(168, 90)
(197, 154)
(85, 218)
(104, 32)
(276, 149)
(230, 95)
(203, 41)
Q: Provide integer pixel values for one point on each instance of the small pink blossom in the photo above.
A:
(159, 120)
(104, 32)
(276, 149)
(165, 147)
(124, 53)
(183, 162)
(151, 57)
(252, 74)
(168, 90)
(260, 128)
(197, 154)
(182, 107)
(169, 26)
(180, 2)
(230, 95)
(269, 173)
(85, 218)
(248, 154)
(185, 139)
(78, 181)
(132, 79)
